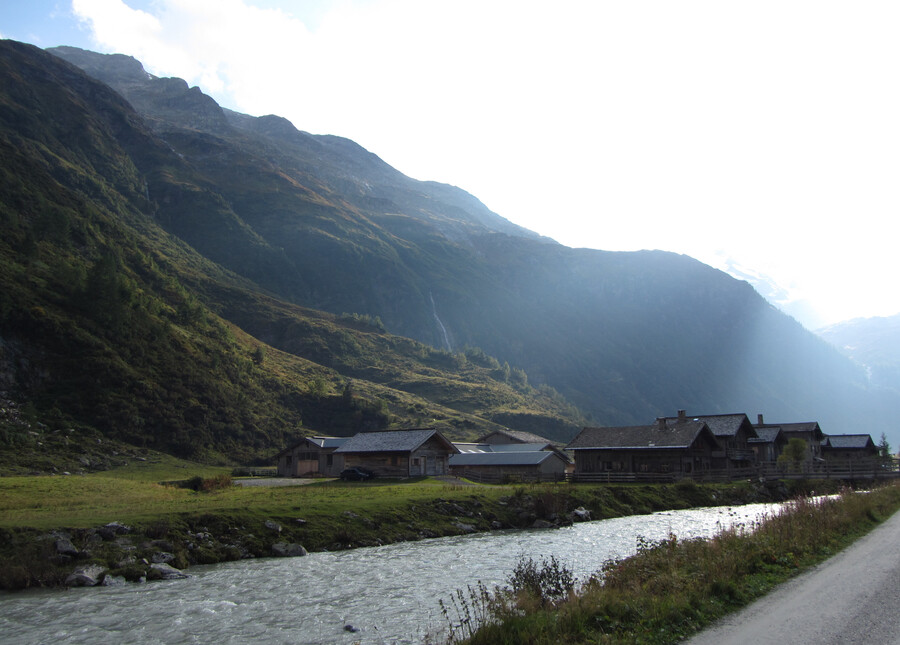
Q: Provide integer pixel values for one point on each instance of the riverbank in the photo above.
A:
(122, 523)
(673, 588)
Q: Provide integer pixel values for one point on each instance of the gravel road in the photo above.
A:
(851, 599)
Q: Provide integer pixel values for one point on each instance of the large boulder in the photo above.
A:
(167, 571)
(581, 514)
(88, 575)
(285, 550)
(64, 546)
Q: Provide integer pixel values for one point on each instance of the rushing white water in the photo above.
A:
(390, 593)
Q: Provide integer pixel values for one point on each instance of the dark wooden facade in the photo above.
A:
(311, 457)
(852, 447)
(401, 453)
(684, 448)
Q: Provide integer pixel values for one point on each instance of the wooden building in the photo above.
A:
(768, 444)
(686, 448)
(311, 457)
(518, 464)
(849, 447)
(733, 433)
(808, 431)
(513, 460)
(399, 453)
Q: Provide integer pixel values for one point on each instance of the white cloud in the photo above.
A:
(768, 128)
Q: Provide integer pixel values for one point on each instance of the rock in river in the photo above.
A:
(168, 572)
(88, 575)
(285, 550)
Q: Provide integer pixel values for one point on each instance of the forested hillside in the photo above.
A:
(110, 323)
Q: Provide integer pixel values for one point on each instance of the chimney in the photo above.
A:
(682, 416)
(759, 420)
(661, 423)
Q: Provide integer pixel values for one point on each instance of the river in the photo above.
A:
(390, 594)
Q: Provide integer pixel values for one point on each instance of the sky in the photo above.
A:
(763, 135)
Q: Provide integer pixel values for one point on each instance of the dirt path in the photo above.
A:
(851, 599)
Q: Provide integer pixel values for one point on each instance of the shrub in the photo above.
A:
(550, 582)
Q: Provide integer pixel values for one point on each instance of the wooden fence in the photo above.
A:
(845, 469)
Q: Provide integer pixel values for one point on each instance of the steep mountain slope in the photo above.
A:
(108, 321)
(872, 342)
(247, 215)
(326, 224)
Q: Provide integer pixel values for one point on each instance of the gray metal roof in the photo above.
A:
(678, 435)
(328, 442)
(518, 436)
(392, 441)
(513, 458)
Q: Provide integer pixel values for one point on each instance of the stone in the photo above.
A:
(162, 557)
(64, 546)
(118, 528)
(273, 526)
(168, 572)
(465, 528)
(582, 514)
(88, 575)
(286, 550)
(126, 562)
(541, 524)
(113, 581)
(495, 525)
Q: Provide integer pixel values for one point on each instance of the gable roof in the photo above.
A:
(393, 441)
(721, 425)
(849, 441)
(516, 436)
(318, 442)
(677, 435)
(797, 428)
(769, 434)
(508, 458)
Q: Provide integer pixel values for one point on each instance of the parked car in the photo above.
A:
(356, 474)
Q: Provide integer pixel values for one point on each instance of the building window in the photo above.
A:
(329, 460)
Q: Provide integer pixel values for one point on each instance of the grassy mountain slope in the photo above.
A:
(109, 321)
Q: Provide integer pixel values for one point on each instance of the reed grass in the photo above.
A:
(673, 588)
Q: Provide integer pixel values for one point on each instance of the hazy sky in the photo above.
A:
(766, 132)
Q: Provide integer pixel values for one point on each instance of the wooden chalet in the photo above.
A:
(399, 453)
(768, 444)
(848, 447)
(661, 448)
(808, 431)
(732, 431)
(311, 457)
